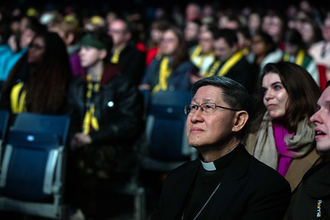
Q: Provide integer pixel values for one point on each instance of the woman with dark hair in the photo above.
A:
(275, 27)
(38, 82)
(263, 51)
(156, 32)
(171, 70)
(310, 32)
(281, 134)
(296, 52)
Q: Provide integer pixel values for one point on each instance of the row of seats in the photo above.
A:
(33, 160)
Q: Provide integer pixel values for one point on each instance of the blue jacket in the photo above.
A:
(8, 59)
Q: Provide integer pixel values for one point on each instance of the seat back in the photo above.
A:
(24, 171)
(165, 127)
(31, 122)
(33, 166)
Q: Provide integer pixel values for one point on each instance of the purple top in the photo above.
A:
(279, 134)
(75, 64)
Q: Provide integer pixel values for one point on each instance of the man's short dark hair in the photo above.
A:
(227, 34)
(234, 94)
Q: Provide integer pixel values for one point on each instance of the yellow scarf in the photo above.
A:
(299, 59)
(115, 56)
(17, 98)
(90, 120)
(245, 51)
(198, 53)
(226, 67)
(164, 73)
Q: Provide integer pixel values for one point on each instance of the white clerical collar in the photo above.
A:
(209, 166)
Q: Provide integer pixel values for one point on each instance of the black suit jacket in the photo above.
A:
(243, 73)
(249, 190)
(133, 62)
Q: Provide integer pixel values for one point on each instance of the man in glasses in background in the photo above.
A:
(225, 182)
(124, 50)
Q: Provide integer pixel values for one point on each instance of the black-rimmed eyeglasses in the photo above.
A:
(206, 108)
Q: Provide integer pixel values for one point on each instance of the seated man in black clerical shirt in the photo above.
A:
(226, 182)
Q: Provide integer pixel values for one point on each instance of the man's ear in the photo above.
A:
(240, 119)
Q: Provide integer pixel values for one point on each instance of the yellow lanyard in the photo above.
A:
(90, 120)
(230, 63)
(299, 59)
(164, 73)
(115, 56)
(213, 69)
(226, 67)
(196, 52)
(245, 51)
(17, 98)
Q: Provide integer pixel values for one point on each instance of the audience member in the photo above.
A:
(191, 34)
(276, 29)
(291, 13)
(110, 16)
(203, 54)
(94, 23)
(307, 6)
(138, 32)
(106, 119)
(68, 31)
(193, 11)
(232, 23)
(156, 33)
(124, 51)
(230, 60)
(281, 135)
(17, 45)
(295, 52)
(39, 81)
(310, 32)
(49, 17)
(320, 51)
(312, 198)
(207, 11)
(223, 18)
(221, 184)
(298, 20)
(254, 23)
(244, 40)
(171, 71)
(263, 51)
(15, 23)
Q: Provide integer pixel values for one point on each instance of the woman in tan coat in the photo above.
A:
(281, 135)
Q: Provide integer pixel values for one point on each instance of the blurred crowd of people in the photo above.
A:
(94, 66)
